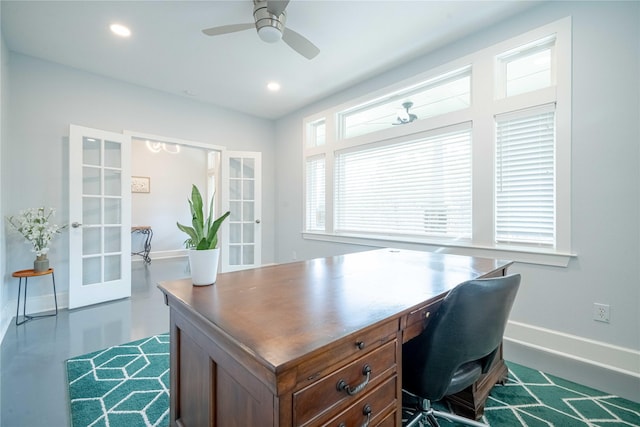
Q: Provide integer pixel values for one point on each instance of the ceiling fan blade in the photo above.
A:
(226, 29)
(276, 7)
(300, 44)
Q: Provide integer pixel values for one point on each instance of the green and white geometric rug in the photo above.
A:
(128, 386)
(532, 398)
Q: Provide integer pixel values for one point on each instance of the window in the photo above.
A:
(419, 187)
(315, 178)
(526, 68)
(483, 166)
(441, 94)
(525, 177)
(317, 134)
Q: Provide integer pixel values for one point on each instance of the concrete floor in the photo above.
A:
(33, 388)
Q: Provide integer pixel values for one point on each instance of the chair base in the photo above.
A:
(424, 415)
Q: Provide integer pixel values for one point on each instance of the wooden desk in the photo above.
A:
(275, 346)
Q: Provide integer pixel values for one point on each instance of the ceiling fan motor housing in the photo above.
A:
(268, 25)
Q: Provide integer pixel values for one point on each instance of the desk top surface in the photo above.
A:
(282, 312)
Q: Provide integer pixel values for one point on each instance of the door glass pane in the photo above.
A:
(112, 211)
(247, 255)
(112, 182)
(248, 233)
(112, 267)
(90, 181)
(248, 190)
(91, 270)
(234, 189)
(248, 170)
(91, 211)
(91, 241)
(247, 211)
(235, 165)
(236, 209)
(112, 154)
(235, 233)
(91, 151)
(235, 255)
(112, 239)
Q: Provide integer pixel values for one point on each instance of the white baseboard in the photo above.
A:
(622, 360)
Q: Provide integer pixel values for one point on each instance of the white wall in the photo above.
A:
(171, 175)
(4, 306)
(45, 98)
(554, 305)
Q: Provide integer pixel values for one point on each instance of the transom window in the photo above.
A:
(441, 94)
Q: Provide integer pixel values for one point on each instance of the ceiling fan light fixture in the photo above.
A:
(403, 114)
(269, 34)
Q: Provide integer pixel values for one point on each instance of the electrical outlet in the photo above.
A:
(601, 312)
(294, 255)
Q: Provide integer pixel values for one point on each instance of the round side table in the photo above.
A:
(25, 274)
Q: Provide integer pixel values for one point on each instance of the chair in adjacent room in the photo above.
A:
(457, 346)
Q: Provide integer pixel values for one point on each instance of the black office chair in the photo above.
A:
(456, 347)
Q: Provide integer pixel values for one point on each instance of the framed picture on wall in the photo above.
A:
(140, 184)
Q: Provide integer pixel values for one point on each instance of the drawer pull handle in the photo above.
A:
(366, 411)
(360, 345)
(343, 386)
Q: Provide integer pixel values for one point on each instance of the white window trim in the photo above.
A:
(483, 99)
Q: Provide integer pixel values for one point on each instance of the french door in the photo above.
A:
(242, 196)
(99, 212)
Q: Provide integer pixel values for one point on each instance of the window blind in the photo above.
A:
(525, 177)
(315, 170)
(420, 187)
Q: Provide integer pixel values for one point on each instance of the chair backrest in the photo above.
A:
(467, 327)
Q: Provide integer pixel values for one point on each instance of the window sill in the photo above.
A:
(526, 255)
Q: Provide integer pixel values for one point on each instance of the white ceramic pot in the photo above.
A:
(204, 266)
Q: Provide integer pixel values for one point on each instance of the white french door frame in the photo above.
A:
(242, 195)
(100, 216)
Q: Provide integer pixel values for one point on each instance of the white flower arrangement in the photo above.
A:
(36, 228)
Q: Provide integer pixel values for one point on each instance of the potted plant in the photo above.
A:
(36, 227)
(203, 240)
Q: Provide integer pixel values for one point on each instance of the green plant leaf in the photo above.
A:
(202, 235)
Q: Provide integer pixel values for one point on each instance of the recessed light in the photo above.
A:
(273, 86)
(120, 30)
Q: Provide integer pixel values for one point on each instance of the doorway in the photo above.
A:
(169, 168)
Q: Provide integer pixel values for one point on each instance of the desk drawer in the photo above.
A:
(376, 409)
(418, 319)
(314, 368)
(324, 395)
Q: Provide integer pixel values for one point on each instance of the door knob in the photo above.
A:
(257, 221)
(76, 224)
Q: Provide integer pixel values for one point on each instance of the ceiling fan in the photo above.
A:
(270, 18)
(405, 116)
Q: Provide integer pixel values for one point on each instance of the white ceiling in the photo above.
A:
(167, 50)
